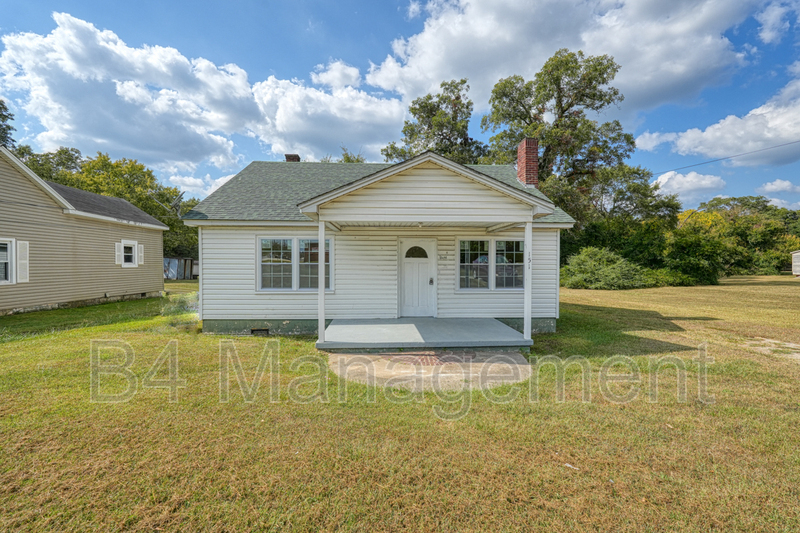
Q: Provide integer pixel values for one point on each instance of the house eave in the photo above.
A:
(83, 214)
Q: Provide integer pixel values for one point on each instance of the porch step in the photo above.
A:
(369, 334)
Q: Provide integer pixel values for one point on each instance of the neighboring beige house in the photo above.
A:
(796, 263)
(61, 246)
(427, 237)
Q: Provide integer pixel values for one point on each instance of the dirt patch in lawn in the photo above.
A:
(433, 370)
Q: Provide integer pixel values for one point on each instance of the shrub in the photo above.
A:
(664, 277)
(696, 255)
(599, 268)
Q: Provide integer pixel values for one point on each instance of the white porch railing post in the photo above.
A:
(528, 282)
(321, 283)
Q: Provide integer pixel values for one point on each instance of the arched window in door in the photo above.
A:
(416, 252)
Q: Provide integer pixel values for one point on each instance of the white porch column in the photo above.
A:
(528, 282)
(321, 283)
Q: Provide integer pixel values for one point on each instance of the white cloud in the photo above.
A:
(201, 187)
(414, 9)
(313, 123)
(777, 202)
(336, 75)
(691, 187)
(89, 89)
(772, 124)
(650, 141)
(774, 20)
(772, 130)
(668, 50)
(779, 186)
(92, 91)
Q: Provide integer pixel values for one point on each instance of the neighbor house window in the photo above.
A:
(474, 265)
(509, 263)
(129, 253)
(308, 251)
(5, 262)
(276, 263)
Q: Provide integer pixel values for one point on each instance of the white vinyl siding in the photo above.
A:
(429, 193)
(365, 263)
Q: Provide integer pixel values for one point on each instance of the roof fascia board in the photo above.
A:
(39, 182)
(75, 212)
(313, 204)
(264, 223)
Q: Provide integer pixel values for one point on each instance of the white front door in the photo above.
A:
(417, 290)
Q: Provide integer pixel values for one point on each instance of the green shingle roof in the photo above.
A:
(271, 190)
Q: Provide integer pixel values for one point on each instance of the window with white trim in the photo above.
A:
(308, 255)
(129, 254)
(276, 263)
(473, 266)
(509, 263)
(14, 261)
(292, 264)
(491, 264)
(6, 258)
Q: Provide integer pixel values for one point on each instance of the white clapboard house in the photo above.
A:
(463, 250)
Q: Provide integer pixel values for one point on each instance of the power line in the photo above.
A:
(728, 157)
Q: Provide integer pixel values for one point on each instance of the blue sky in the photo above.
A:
(197, 90)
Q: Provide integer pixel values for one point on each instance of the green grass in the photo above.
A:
(67, 464)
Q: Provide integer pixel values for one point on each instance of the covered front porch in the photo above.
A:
(420, 332)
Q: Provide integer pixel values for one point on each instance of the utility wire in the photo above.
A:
(728, 157)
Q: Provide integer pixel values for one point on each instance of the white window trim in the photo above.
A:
(295, 265)
(492, 264)
(12, 263)
(135, 246)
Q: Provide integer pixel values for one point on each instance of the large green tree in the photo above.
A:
(58, 166)
(441, 124)
(558, 108)
(6, 116)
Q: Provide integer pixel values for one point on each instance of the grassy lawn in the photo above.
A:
(376, 461)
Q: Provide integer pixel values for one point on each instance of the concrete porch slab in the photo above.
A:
(368, 334)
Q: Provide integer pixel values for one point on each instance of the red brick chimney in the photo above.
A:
(528, 162)
(293, 158)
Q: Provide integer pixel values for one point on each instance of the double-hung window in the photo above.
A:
(474, 265)
(491, 264)
(129, 254)
(308, 252)
(292, 264)
(14, 264)
(6, 252)
(509, 262)
(276, 263)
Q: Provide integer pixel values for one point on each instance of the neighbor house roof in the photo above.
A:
(86, 204)
(104, 206)
(271, 190)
